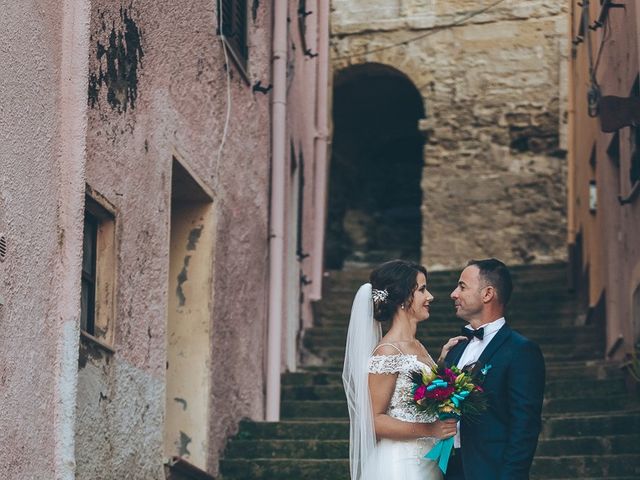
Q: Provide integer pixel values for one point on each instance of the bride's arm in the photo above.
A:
(446, 348)
(381, 387)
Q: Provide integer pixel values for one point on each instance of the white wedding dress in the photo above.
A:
(401, 459)
(385, 459)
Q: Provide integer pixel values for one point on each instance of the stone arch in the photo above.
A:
(376, 166)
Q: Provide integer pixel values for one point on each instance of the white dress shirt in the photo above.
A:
(473, 351)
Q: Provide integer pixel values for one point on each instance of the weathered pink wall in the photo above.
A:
(42, 130)
(304, 130)
(179, 109)
(68, 119)
(611, 251)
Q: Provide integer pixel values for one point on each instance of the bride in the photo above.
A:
(389, 436)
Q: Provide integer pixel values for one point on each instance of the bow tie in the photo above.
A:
(479, 333)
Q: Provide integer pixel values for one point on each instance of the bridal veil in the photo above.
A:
(362, 337)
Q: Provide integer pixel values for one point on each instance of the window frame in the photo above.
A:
(238, 49)
(101, 214)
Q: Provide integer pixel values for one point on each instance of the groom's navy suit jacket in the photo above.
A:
(501, 442)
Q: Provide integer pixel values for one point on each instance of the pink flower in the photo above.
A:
(420, 392)
(448, 376)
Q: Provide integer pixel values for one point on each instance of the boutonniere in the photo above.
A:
(483, 372)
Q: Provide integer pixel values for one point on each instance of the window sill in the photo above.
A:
(87, 337)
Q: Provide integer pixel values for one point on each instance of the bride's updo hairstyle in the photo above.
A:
(398, 279)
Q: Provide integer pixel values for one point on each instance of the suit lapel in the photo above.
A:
(496, 342)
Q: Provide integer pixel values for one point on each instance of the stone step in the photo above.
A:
(600, 424)
(594, 445)
(608, 477)
(445, 327)
(544, 467)
(581, 404)
(442, 288)
(335, 354)
(570, 370)
(552, 406)
(563, 446)
(580, 466)
(604, 424)
(309, 429)
(285, 469)
(544, 293)
(590, 389)
(318, 337)
(288, 449)
(343, 303)
(561, 315)
(313, 409)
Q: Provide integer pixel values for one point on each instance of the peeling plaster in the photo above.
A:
(182, 277)
(184, 442)
(182, 402)
(194, 236)
(118, 69)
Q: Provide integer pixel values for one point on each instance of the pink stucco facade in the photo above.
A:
(106, 98)
(603, 230)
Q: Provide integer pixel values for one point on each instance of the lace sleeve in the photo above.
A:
(386, 364)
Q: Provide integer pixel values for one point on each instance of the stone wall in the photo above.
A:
(494, 90)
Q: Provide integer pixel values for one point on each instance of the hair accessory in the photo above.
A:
(379, 296)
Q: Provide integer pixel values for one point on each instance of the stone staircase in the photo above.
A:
(591, 424)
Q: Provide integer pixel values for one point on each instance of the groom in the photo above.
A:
(501, 442)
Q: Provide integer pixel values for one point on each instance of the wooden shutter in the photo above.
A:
(234, 28)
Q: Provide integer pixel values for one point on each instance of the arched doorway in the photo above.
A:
(376, 167)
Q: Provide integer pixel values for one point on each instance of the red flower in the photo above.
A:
(440, 393)
(419, 393)
(478, 388)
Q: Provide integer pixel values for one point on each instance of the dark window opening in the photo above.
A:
(232, 25)
(375, 195)
(88, 293)
(634, 169)
(299, 245)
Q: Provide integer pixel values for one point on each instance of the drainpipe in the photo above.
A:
(277, 222)
(321, 141)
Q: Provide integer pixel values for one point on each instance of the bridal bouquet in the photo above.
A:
(448, 393)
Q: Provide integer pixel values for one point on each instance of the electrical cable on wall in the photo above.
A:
(228, 114)
(435, 30)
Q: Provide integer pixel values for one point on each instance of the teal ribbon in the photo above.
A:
(441, 452)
